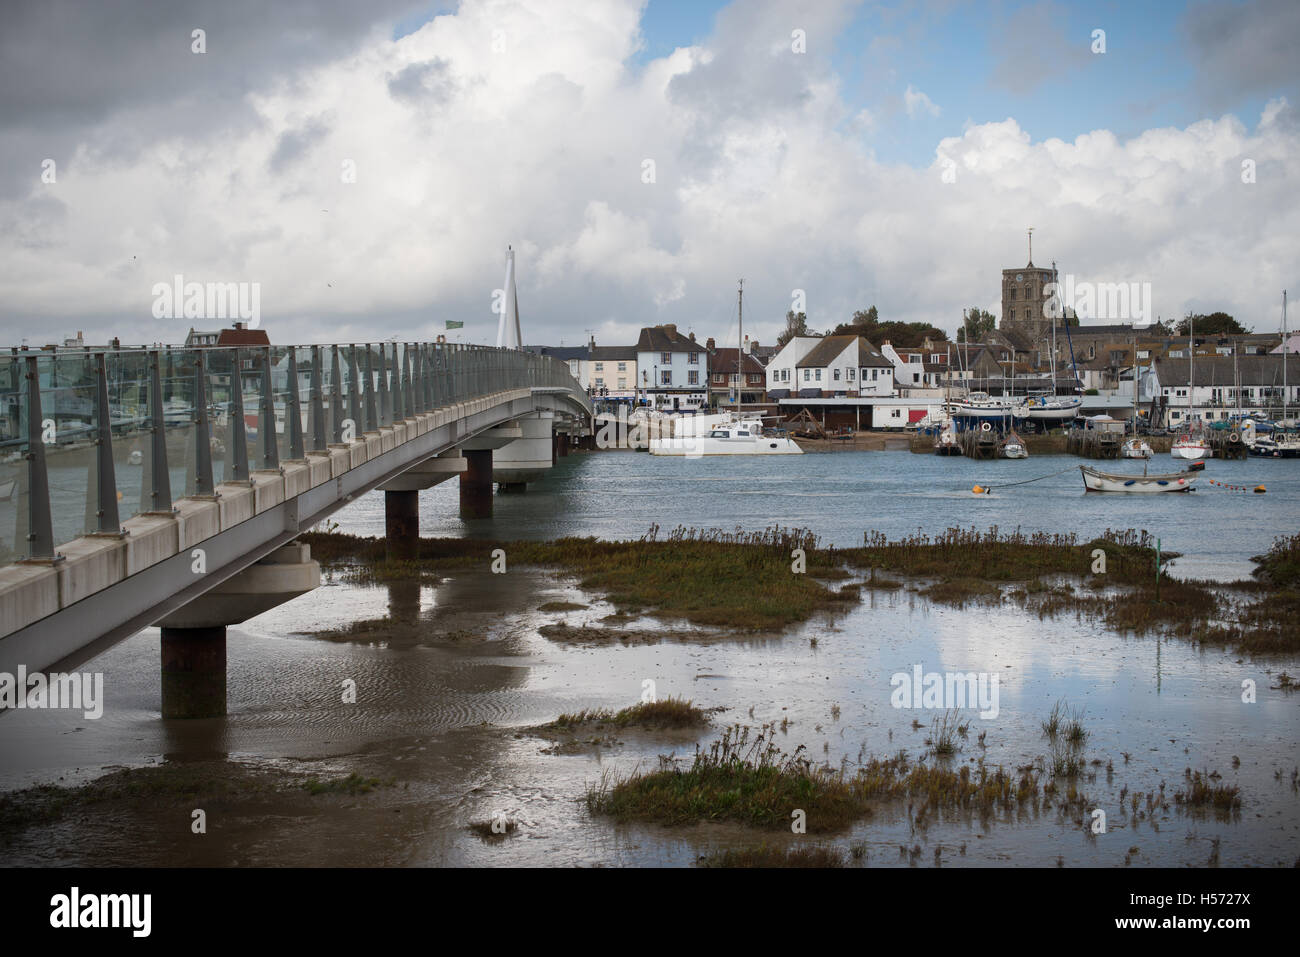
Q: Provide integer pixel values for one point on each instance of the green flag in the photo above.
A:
(453, 324)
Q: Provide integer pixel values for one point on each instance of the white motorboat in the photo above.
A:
(742, 437)
(1095, 480)
(1135, 448)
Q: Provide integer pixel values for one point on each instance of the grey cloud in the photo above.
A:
(1240, 50)
(294, 144)
(428, 82)
(1031, 47)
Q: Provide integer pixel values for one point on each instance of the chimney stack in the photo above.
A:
(710, 344)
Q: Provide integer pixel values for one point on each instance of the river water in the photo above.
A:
(443, 703)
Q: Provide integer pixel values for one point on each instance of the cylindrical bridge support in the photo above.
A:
(194, 672)
(402, 523)
(476, 484)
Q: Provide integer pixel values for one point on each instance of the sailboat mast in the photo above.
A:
(740, 346)
(1191, 375)
(1284, 351)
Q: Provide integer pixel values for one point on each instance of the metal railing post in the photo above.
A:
(354, 392)
(204, 481)
(385, 406)
(40, 525)
(293, 409)
(399, 388)
(266, 420)
(236, 431)
(336, 395)
(317, 402)
(107, 520)
(372, 421)
(161, 492)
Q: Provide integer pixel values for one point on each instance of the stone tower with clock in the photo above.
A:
(1023, 297)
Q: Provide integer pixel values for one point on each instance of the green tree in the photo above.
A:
(796, 324)
(866, 322)
(1216, 323)
(978, 324)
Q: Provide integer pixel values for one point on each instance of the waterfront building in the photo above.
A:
(1215, 393)
(724, 377)
(673, 369)
(612, 370)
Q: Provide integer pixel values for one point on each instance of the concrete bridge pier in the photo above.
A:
(194, 672)
(527, 458)
(402, 501)
(476, 485)
(476, 480)
(194, 636)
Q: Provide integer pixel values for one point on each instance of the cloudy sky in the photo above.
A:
(366, 164)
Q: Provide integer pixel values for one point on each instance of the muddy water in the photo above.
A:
(450, 679)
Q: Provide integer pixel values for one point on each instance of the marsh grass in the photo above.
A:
(748, 779)
(668, 713)
(1202, 791)
(765, 856)
(741, 581)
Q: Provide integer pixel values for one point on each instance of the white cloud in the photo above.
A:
(914, 100)
(762, 171)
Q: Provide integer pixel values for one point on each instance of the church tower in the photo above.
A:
(1023, 297)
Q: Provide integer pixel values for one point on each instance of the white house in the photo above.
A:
(1252, 383)
(812, 367)
(673, 369)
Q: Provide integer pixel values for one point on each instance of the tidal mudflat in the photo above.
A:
(460, 675)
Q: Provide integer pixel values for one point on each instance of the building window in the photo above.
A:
(836, 375)
(622, 383)
(852, 373)
(806, 375)
(873, 374)
(692, 378)
(819, 375)
(622, 367)
(666, 358)
(717, 378)
(600, 367)
(693, 358)
(600, 383)
(895, 414)
(665, 378)
(785, 375)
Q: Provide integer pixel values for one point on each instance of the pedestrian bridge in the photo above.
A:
(258, 444)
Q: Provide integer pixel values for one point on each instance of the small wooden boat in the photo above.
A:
(1012, 448)
(1095, 480)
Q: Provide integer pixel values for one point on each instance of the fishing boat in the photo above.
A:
(1135, 448)
(1012, 448)
(1095, 480)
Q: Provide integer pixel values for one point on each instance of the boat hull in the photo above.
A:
(697, 447)
(1097, 481)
